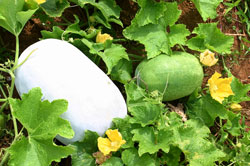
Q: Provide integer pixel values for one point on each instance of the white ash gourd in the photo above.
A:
(64, 72)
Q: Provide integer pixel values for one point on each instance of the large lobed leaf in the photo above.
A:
(55, 8)
(178, 34)
(42, 122)
(151, 141)
(207, 8)
(150, 12)
(152, 31)
(13, 16)
(111, 55)
(84, 150)
(143, 112)
(206, 109)
(130, 157)
(210, 37)
(191, 138)
(108, 11)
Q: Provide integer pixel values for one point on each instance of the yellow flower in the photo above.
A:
(112, 143)
(236, 107)
(207, 58)
(38, 1)
(101, 38)
(220, 87)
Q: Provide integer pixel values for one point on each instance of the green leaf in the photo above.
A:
(130, 157)
(172, 157)
(108, 8)
(242, 158)
(210, 37)
(191, 139)
(75, 31)
(108, 11)
(151, 141)
(178, 34)
(240, 90)
(94, 48)
(113, 161)
(150, 12)
(154, 35)
(171, 14)
(13, 17)
(89, 142)
(35, 151)
(122, 71)
(206, 109)
(84, 150)
(125, 128)
(55, 34)
(111, 56)
(144, 113)
(55, 8)
(135, 94)
(43, 122)
(207, 8)
(83, 159)
(233, 125)
(197, 43)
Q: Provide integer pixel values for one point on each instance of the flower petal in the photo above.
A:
(40, 1)
(220, 87)
(104, 145)
(114, 135)
(236, 107)
(101, 38)
(207, 58)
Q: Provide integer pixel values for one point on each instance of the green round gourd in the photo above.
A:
(178, 75)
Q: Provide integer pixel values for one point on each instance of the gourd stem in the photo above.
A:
(4, 94)
(182, 48)
(136, 56)
(4, 70)
(11, 72)
(3, 100)
(5, 157)
(14, 68)
(13, 84)
(14, 122)
(7, 154)
(87, 13)
(3, 106)
(17, 51)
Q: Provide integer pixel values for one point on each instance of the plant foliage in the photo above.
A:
(203, 132)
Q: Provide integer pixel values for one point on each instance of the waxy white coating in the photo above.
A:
(64, 72)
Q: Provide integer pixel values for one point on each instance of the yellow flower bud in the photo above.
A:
(92, 19)
(207, 58)
(101, 38)
(236, 107)
(40, 1)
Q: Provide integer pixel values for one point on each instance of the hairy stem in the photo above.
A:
(11, 90)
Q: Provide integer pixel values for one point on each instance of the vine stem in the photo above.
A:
(87, 13)
(14, 67)
(11, 90)
(7, 153)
